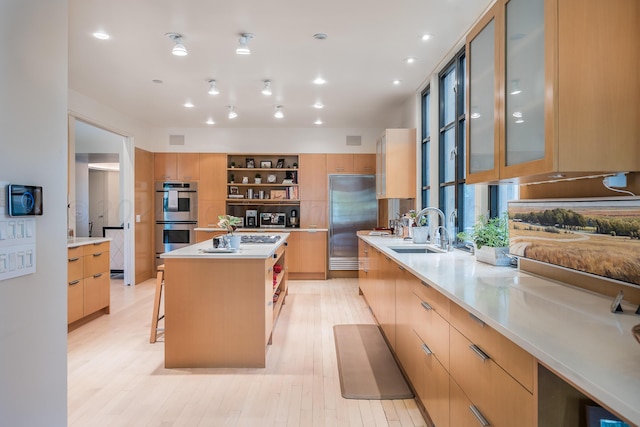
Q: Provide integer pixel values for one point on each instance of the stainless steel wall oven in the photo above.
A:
(176, 216)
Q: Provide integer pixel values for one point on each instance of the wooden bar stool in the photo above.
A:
(156, 305)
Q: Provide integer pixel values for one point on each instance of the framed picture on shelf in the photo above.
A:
(233, 191)
(250, 163)
(265, 164)
(280, 164)
(278, 194)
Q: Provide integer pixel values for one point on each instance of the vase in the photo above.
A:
(493, 256)
(420, 234)
(234, 241)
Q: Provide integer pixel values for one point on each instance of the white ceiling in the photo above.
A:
(367, 42)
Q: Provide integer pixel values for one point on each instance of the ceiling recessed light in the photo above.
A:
(213, 88)
(210, 121)
(318, 122)
(278, 113)
(101, 35)
(409, 60)
(319, 81)
(397, 82)
(320, 36)
(232, 112)
(426, 36)
(188, 104)
(318, 105)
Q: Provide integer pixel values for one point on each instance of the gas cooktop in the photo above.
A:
(256, 238)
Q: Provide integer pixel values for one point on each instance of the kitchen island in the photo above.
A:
(220, 307)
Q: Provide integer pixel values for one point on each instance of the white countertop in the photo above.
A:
(570, 330)
(247, 250)
(80, 241)
(262, 230)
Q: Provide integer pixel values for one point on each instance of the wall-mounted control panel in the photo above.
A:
(17, 240)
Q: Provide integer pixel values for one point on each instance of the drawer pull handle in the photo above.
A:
(426, 306)
(426, 349)
(477, 350)
(476, 412)
(425, 284)
(75, 282)
(73, 259)
(477, 320)
(95, 276)
(275, 256)
(98, 254)
(387, 258)
(401, 268)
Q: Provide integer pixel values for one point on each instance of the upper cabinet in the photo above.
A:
(351, 163)
(176, 166)
(552, 91)
(396, 164)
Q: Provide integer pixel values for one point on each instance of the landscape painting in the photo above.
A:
(597, 236)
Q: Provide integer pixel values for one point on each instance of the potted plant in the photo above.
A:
(233, 164)
(230, 223)
(258, 178)
(490, 237)
(295, 165)
(232, 179)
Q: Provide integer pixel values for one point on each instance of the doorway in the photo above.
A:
(101, 190)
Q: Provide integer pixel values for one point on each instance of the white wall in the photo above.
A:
(33, 126)
(266, 140)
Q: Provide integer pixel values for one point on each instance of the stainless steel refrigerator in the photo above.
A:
(352, 207)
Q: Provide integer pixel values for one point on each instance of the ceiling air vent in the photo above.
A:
(354, 140)
(176, 139)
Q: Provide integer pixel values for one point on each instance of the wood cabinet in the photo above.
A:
(88, 286)
(307, 255)
(176, 166)
(351, 163)
(396, 164)
(562, 80)
(461, 369)
(313, 190)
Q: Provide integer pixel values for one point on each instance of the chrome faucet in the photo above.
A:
(446, 245)
(424, 211)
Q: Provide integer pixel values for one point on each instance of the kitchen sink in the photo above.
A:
(417, 250)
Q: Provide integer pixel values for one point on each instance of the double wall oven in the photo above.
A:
(176, 206)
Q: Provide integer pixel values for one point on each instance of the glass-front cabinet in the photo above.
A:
(483, 98)
(561, 82)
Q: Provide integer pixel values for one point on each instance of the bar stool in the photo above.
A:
(156, 305)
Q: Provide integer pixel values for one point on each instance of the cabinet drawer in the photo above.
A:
(96, 248)
(500, 398)
(432, 329)
(96, 263)
(96, 292)
(435, 299)
(513, 359)
(460, 405)
(75, 299)
(75, 268)
(75, 252)
(432, 384)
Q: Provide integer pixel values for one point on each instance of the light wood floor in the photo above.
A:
(117, 378)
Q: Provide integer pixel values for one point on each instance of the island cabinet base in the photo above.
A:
(220, 312)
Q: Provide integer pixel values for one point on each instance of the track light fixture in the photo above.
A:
(278, 113)
(213, 88)
(266, 90)
(243, 48)
(178, 49)
(232, 112)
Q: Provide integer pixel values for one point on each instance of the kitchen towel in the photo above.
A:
(172, 202)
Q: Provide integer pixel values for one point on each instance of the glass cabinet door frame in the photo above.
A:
(493, 15)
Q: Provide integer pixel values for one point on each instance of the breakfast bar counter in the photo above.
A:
(220, 307)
